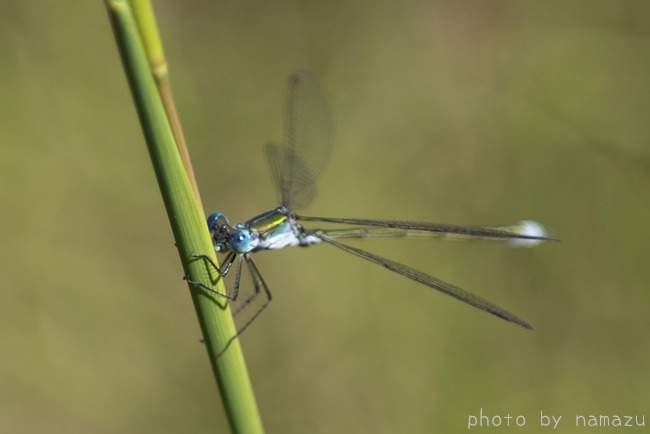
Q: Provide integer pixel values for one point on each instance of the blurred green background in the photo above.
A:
(462, 112)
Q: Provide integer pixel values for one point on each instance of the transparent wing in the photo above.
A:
(432, 282)
(527, 230)
(274, 154)
(299, 161)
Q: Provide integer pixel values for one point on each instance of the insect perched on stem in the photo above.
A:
(296, 165)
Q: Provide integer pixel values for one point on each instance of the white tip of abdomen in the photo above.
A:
(529, 228)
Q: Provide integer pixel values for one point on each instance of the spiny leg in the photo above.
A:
(225, 267)
(260, 286)
(246, 302)
(230, 259)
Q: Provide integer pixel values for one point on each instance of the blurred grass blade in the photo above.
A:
(146, 23)
(187, 221)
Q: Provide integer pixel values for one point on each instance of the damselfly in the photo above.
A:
(296, 165)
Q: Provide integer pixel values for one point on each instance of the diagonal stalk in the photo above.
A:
(182, 205)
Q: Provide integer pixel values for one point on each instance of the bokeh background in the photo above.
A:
(463, 112)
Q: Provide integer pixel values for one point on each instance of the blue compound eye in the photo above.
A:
(216, 220)
(239, 242)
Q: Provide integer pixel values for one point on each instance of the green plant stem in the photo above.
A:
(187, 222)
(146, 22)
